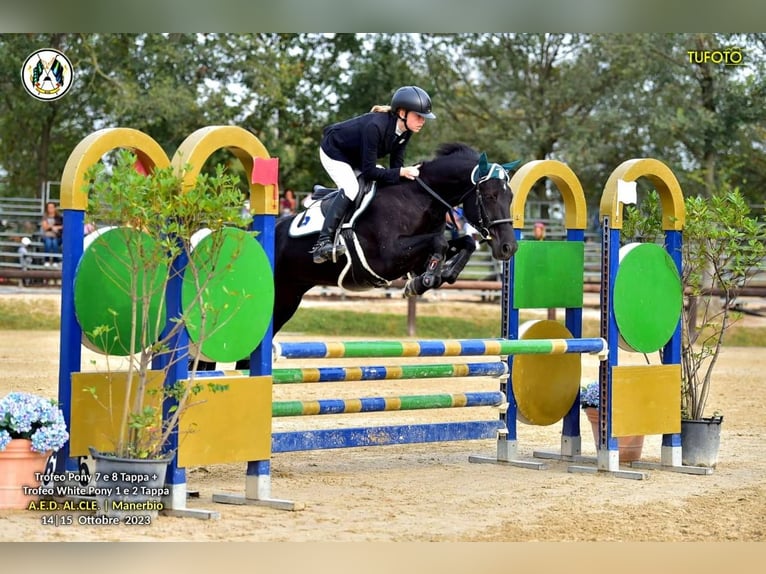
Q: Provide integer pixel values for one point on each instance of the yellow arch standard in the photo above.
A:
(664, 181)
(92, 148)
(575, 210)
(635, 387)
(197, 148)
(247, 399)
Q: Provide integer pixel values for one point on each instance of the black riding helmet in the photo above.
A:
(413, 99)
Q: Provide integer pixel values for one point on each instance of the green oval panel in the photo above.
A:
(106, 283)
(238, 299)
(647, 297)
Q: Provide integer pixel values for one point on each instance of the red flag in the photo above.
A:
(265, 171)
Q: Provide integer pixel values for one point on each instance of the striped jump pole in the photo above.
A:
(321, 439)
(447, 348)
(384, 404)
(376, 373)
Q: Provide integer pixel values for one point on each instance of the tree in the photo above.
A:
(149, 225)
(521, 94)
(723, 248)
(590, 100)
(595, 100)
(36, 137)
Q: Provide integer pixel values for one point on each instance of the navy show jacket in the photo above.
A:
(362, 140)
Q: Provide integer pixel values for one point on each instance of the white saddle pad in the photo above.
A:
(307, 222)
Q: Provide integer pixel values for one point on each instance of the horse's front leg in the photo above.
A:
(458, 253)
(431, 277)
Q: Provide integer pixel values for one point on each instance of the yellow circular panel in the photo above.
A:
(545, 386)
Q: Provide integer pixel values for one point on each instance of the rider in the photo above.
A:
(357, 143)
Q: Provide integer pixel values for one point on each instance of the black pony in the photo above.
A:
(401, 231)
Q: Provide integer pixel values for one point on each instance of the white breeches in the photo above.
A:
(342, 174)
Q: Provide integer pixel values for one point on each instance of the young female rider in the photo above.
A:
(357, 144)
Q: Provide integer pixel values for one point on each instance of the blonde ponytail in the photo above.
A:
(381, 109)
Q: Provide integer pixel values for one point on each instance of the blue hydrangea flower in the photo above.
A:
(589, 395)
(5, 438)
(24, 415)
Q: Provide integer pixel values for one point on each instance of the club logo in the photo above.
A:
(47, 74)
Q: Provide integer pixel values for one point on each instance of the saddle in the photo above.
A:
(310, 220)
(356, 274)
(321, 193)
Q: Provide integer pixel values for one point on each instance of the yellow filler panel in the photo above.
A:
(231, 425)
(646, 399)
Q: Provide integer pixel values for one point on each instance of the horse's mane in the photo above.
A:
(457, 149)
(451, 156)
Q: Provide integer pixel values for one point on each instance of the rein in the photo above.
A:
(439, 198)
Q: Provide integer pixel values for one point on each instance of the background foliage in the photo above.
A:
(591, 100)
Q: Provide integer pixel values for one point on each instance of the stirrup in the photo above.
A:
(323, 251)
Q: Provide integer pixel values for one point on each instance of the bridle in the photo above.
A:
(495, 171)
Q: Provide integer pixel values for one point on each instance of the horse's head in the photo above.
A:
(488, 208)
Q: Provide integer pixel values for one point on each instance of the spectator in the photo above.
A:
(51, 228)
(244, 213)
(25, 257)
(288, 203)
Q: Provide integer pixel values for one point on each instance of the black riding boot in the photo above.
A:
(322, 250)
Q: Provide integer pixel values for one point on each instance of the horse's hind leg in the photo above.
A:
(459, 252)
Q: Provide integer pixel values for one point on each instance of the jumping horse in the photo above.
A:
(400, 231)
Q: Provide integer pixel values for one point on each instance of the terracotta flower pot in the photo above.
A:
(18, 465)
(630, 447)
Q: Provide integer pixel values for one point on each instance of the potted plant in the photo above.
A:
(630, 447)
(723, 247)
(31, 428)
(132, 265)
